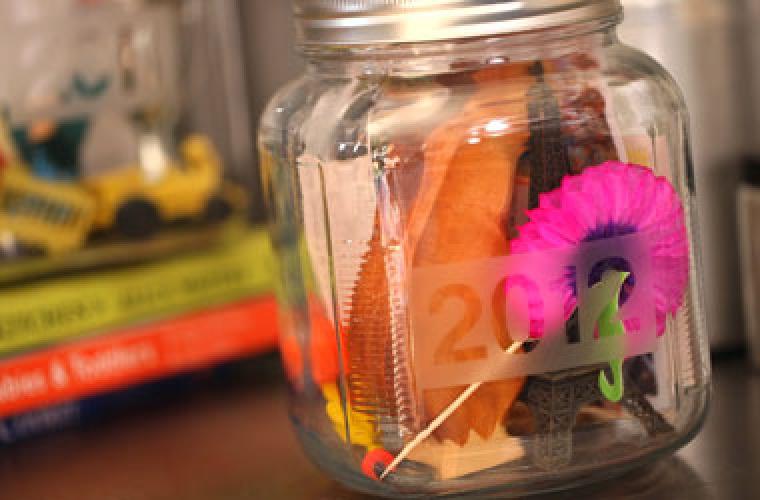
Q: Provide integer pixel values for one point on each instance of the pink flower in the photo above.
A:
(613, 200)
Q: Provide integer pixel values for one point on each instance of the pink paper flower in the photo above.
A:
(608, 201)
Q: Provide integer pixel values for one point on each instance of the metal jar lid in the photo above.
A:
(360, 22)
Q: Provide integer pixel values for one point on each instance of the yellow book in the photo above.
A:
(72, 306)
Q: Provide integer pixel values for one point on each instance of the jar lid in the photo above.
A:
(358, 22)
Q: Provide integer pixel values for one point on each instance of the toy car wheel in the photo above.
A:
(19, 249)
(137, 219)
(217, 209)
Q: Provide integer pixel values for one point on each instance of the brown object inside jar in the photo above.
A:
(460, 213)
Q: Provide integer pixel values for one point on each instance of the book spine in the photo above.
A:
(68, 307)
(115, 361)
(88, 410)
(101, 407)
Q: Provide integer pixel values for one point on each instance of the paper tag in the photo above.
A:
(458, 312)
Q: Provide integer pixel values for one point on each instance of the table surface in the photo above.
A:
(236, 444)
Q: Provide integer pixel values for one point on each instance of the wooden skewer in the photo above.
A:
(439, 420)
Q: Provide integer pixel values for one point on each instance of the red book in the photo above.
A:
(110, 362)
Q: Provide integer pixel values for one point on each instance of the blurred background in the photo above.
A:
(123, 355)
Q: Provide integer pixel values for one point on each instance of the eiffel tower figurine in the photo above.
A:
(549, 161)
(556, 398)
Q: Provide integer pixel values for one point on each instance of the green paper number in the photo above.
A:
(610, 326)
(613, 392)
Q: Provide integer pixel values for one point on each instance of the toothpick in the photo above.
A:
(439, 420)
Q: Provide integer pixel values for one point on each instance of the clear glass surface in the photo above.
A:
(488, 262)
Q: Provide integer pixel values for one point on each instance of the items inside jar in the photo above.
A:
(493, 203)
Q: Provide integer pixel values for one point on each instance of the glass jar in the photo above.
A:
(484, 213)
(106, 156)
(748, 210)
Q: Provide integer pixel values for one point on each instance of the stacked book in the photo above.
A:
(75, 347)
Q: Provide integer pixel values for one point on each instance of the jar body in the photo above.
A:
(488, 263)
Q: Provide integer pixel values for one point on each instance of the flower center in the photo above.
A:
(609, 230)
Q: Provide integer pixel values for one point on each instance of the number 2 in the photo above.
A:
(447, 352)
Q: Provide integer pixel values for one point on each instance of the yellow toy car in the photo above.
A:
(135, 205)
(55, 216)
(58, 216)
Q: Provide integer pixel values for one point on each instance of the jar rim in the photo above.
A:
(368, 22)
